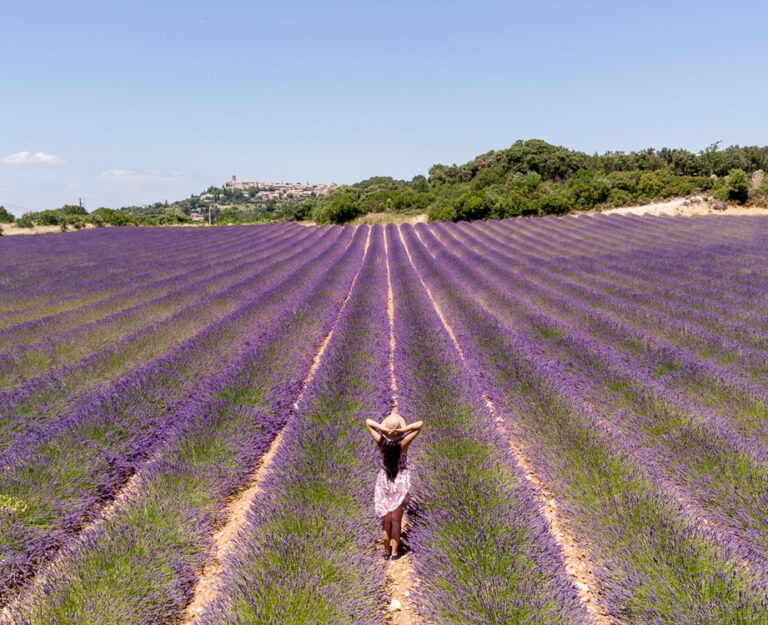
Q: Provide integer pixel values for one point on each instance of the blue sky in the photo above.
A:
(134, 102)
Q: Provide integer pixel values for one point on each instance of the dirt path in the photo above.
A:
(577, 561)
(681, 207)
(13, 230)
(391, 315)
(208, 583)
(223, 540)
(401, 609)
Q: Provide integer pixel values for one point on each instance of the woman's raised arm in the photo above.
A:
(375, 429)
(414, 429)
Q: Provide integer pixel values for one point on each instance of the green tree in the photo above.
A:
(25, 221)
(340, 207)
(471, 206)
(76, 221)
(49, 217)
(441, 210)
(650, 185)
(72, 209)
(589, 188)
(488, 176)
(513, 204)
(111, 216)
(738, 185)
(5, 216)
(683, 163)
(554, 204)
(173, 216)
(419, 184)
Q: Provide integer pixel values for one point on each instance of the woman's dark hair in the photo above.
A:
(390, 452)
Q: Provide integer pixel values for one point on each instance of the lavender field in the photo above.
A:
(182, 411)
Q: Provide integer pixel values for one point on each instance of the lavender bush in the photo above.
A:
(210, 457)
(482, 550)
(627, 355)
(63, 470)
(308, 553)
(597, 482)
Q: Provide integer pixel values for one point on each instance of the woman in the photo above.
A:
(393, 437)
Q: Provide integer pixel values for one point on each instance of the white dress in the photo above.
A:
(388, 495)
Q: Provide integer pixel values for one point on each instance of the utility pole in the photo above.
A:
(209, 214)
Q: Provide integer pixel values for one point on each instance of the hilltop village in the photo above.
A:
(275, 190)
(243, 200)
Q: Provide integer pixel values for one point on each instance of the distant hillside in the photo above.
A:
(529, 178)
(536, 178)
(243, 201)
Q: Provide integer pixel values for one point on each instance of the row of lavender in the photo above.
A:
(63, 458)
(159, 537)
(540, 309)
(670, 393)
(482, 549)
(39, 398)
(605, 427)
(44, 342)
(31, 410)
(481, 546)
(50, 275)
(306, 554)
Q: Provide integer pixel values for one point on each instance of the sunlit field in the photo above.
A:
(593, 388)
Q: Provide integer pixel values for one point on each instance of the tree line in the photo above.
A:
(530, 177)
(537, 178)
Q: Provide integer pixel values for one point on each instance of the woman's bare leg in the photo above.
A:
(386, 524)
(396, 520)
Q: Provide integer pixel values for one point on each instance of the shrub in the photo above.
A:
(589, 188)
(441, 210)
(111, 216)
(5, 216)
(76, 221)
(339, 209)
(72, 209)
(704, 183)
(477, 205)
(625, 181)
(48, 218)
(554, 204)
(738, 185)
(720, 190)
(650, 185)
(25, 221)
(514, 204)
(525, 183)
(172, 217)
(302, 210)
(620, 197)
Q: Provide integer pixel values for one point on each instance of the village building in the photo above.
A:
(277, 190)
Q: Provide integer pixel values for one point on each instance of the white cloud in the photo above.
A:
(141, 175)
(38, 157)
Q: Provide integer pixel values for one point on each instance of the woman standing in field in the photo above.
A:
(393, 437)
